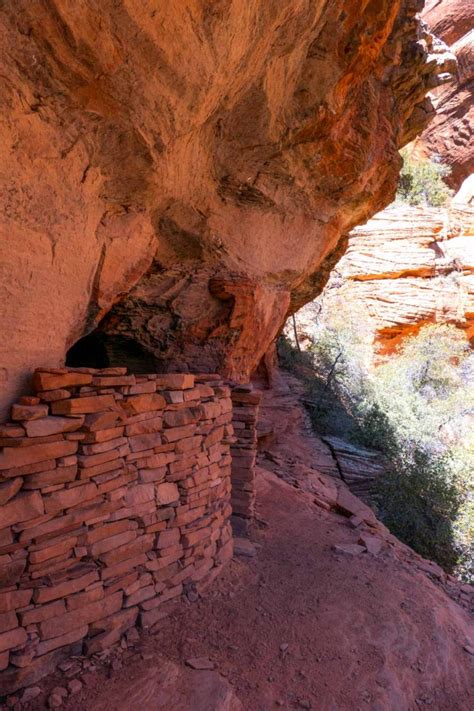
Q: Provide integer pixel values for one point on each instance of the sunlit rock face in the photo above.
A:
(407, 267)
(451, 133)
(180, 173)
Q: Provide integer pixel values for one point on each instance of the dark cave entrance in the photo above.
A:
(88, 352)
(99, 350)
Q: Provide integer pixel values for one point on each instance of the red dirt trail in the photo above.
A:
(301, 626)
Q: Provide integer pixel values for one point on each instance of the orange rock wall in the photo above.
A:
(114, 501)
(407, 267)
(179, 173)
(451, 133)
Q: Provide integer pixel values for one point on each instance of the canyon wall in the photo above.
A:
(451, 133)
(179, 175)
(407, 267)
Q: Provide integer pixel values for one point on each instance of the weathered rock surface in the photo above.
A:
(451, 133)
(193, 165)
(169, 686)
(408, 266)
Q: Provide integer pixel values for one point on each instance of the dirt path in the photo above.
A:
(300, 625)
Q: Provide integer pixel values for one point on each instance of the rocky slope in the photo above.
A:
(451, 134)
(193, 166)
(408, 266)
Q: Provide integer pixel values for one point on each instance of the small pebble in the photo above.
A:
(55, 701)
(74, 686)
(32, 692)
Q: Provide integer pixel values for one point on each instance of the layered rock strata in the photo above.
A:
(114, 500)
(407, 267)
(193, 166)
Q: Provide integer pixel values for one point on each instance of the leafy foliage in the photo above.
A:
(417, 408)
(421, 182)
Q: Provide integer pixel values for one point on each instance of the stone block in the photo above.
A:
(22, 413)
(83, 405)
(142, 442)
(67, 498)
(104, 446)
(112, 381)
(41, 613)
(175, 381)
(152, 475)
(12, 638)
(129, 550)
(147, 402)
(181, 418)
(14, 599)
(62, 640)
(112, 542)
(63, 589)
(8, 489)
(76, 619)
(150, 426)
(51, 477)
(167, 538)
(166, 493)
(114, 571)
(8, 621)
(53, 395)
(139, 494)
(52, 425)
(11, 459)
(22, 507)
(53, 381)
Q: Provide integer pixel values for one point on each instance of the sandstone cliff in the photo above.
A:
(451, 134)
(408, 266)
(192, 165)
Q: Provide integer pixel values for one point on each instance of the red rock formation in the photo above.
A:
(408, 266)
(451, 133)
(193, 163)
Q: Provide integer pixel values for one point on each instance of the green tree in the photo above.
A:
(417, 408)
(421, 182)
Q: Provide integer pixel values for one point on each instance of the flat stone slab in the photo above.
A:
(244, 547)
(349, 548)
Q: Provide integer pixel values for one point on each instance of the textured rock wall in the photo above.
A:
(193, 165)
(114, 500)
(408, 266)
(451, 133)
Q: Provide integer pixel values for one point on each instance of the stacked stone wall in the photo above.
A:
(114, 501)
(246, 402)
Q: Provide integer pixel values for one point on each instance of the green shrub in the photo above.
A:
(417, 409)
(421, 182)
(419, 500)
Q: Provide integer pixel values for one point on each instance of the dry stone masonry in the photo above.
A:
(246, 404)
(114, 500)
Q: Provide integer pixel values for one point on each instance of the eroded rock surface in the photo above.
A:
(451, 133)
(408, 266)
(192, 164)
